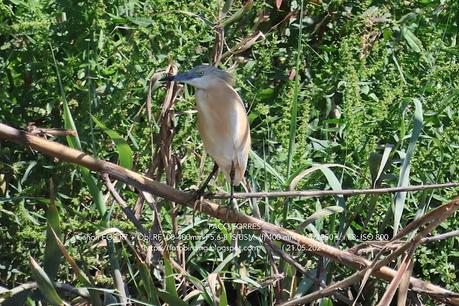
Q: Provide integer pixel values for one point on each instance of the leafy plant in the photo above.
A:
(366, 92)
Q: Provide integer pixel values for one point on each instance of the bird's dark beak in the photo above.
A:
(179, 77)
(167, 79)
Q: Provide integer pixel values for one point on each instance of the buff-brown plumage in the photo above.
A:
(224, 128)
(222, 119)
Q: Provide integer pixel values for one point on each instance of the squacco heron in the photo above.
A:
(222, 121)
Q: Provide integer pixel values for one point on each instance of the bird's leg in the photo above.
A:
(232, 183)
(231, 207)
(201, 189)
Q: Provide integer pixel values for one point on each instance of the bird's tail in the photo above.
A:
(238, 176)
(239, 171)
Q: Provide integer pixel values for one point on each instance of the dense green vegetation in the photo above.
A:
(364, 92)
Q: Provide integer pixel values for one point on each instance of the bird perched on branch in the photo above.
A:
(222, 121)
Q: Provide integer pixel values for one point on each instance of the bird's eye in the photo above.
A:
(201, 73)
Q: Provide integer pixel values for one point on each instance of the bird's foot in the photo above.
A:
(200, 194)
(231, 208)
(196, 194)
(197, 206)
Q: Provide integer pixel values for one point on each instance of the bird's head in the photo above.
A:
(202, 77)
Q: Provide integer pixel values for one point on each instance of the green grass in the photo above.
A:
(375, 92)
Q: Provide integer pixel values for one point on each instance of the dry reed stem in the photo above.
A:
(323, 193)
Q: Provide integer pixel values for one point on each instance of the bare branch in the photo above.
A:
(50, 131)
(127, 211)
(323, 193)
(440, 237)
(82, 292)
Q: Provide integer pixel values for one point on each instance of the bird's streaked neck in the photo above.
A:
(206, 82)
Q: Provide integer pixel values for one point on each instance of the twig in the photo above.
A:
(4, 295)
(82, 292)
(223, 213)
(219, 42)
(395, 283)
(370, 246)
(440, 237)
(127, 211)
(50, 131)
(323, 193)
(244, 44)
